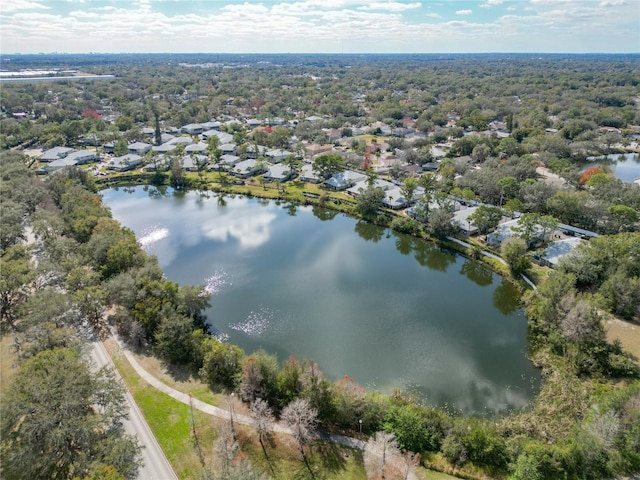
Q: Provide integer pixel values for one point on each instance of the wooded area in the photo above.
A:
(60, 420)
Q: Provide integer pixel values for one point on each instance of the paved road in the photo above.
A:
(156, 466)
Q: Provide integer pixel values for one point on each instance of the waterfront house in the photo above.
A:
(124, 163)
(247, 168)
(278, 173)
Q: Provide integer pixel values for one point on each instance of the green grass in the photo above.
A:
(169, 420)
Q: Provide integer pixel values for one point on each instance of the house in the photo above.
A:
(196, 148)
(166, 137)
(194, 162)
(224, 137)
(333, 134)
(192, 129)
(361, 185)
(228, 148)
(127, 162)
(277, 155)
(247, 168)
(558, 249)
(149, 132)
(314, 119)
(308, 175)
(502, 232)
(429, 167)
(82, 156)
(228, 161)
(255, 151)
(60, 164)
(108, 147)
(180, 141)
(139, 148)
(275, 121)
(160, 163)
(212, 125)
(461, 219)
(164, 148)
(437, 152)
(572, 231)
(253, 123)
(90, 139)
(315, 149)
(344, 180)
(55, 153)
(278, 173)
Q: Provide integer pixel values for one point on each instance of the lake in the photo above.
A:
(625, 167)
(388, 310)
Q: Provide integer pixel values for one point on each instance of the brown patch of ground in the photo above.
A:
(627, 332)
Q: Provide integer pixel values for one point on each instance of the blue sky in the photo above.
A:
(320, 26)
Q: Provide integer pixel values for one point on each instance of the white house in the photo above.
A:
(278, 173)
(55, 153)
(139, 148)
(127, 162)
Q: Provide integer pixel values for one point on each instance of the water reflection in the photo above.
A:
(389, 310)
(505, 298)
(477, 273)
(368, 231)
(404, 244)
(429, 255)
(323, 214)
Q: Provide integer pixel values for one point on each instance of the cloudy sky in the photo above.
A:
(320, 26)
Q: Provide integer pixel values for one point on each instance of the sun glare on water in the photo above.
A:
(153, 235)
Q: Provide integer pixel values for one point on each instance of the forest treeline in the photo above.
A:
(91, 273)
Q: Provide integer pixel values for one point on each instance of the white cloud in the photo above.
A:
(492, 3)
(612, 3)
(15, 5)
(315, 26)
(391, 6)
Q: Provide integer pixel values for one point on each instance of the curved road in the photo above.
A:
(156, 466)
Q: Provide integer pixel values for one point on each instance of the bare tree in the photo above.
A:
(378, 452)
(263, 423)
(581, 323)
(410, 461)
(302, 418)
(229, 462)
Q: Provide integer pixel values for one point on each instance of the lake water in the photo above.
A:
(388, 310)
(626, 167)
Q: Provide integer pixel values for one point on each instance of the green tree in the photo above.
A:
(328, 164)
(624, 218)
(60, 420)
(508, 188)
(527, 467)
(120, 148)
(369, 200)
(486, 218)
(439, 222)
(514, 251)
(124, 123)
(222, 363)
(16, 275)
(408, 189)
(174, 338)
(178, 179)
